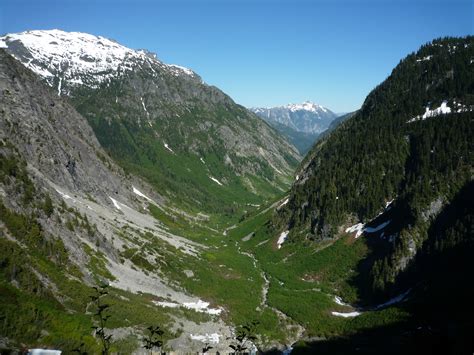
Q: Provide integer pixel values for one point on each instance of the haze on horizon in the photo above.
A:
(262, 53)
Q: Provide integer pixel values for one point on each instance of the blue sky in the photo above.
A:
(263, 52)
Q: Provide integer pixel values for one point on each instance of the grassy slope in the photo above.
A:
(305, 277)
(181, 175)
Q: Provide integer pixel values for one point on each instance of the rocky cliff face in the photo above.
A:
(64, 150)
(71, 218)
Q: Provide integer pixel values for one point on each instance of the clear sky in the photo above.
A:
(262, 52)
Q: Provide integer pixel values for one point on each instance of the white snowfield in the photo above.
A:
(44, 352)
(143, 105)
(305, 106)
(388, 204)
(360, 228)
(283, 203)
(81, 58)
(378, 228)
(394, 300)
(444, 109)
(207, 338)
(215, 180)
(168, 147)
(168, 304)
(199, 306)
(179, 70)
(138, 193)
(65, 196)
(282, 238)
(424, 59)
(339, 301)
(116, 203)
(346, 315)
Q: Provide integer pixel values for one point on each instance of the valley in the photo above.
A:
(119, 169)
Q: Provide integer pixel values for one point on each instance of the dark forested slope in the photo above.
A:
(399, 173)
(370, 160)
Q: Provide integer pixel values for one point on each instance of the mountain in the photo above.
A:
(301, 140)
(382, 133)
(338, 121)
(368, 252)
(307, 117)
(197, 147)
(388, 180)
(299, 123)
(334, 124)
(71, 219)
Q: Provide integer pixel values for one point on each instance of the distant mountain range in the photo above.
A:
(299, 123)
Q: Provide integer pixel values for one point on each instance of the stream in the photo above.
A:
(294, 330)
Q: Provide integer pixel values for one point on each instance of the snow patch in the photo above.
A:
(274, 167)
(444, 109)
(358, 228)
(378, 228)
(85, 55)
(306, 106)
(59, 86)
(143, 104)
(283, 203)
(44, 352)
(253, 205)
(167, 147)
(424, 59)
(178, 70)
(215, 180)
(201, 306)
(82, 58)
(339, 301)
(207, 338)
(261, 243)
(116, 204)
(137, 192)
(65, 196)
(167, 304)
(346, 315)
(282, 238)
(394, 300)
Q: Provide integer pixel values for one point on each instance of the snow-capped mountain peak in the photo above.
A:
(305, 106)
(306, 117)
(78, 58)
